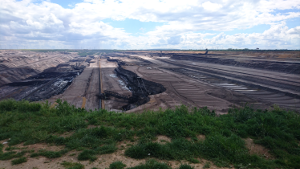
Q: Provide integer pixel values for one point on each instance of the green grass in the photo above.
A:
(50, 154)
(207, 165)
(185, 166)
(276, 129)
(69, 165)
(152, 164)
(117, 165)
(19, 160)
(11, 154)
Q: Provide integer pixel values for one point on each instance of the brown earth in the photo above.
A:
(103, 161)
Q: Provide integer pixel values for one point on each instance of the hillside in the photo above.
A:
(38, 135)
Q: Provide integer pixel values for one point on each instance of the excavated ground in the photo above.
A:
(39, 86)
(141, 89)
(136, 81)
(218, 81)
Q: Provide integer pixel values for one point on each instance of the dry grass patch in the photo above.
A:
(35, 147)
(201, 137)
(163, 139)
(257, 149)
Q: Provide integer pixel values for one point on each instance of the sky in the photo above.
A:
(149, 24)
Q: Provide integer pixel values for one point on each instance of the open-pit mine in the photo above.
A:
(137, 81)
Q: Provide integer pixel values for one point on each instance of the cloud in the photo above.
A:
(48, 24)
(209, 6)
(175, 40)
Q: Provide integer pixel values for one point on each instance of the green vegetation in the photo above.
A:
(19, 161)
(49, 154)
(117, 165)
(69, 165)
(152, 164)
(11, 154)
(276, 129)
(207, 165)
(185, 166)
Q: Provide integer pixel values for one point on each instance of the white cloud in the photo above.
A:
(209, 6)
(39, 25)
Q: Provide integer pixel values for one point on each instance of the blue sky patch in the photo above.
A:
(63, 3)
(133, 26)
(67, 3)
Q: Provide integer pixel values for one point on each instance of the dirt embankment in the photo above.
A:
(140, 88)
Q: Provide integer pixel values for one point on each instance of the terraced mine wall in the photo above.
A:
(286, 67)
(43, 85)
(140, 88)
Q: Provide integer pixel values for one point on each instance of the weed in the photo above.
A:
(11, 154)
(19, 160)
(49, 154)
(185, 166)
(151, 164)
(117, 165)
(207, 165)
(87, 155)
(69, 165)
(193, 160)
(90, 154)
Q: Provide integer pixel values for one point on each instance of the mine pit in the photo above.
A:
(136, 81)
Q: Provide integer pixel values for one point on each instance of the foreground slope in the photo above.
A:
(35, 135)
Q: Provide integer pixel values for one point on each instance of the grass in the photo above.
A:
(12, 154)
(152, 164)
(185, 166)
(49, 154)
(207, 165)
(19, 160)
(117, 165)
(276, 129)
(69, 165)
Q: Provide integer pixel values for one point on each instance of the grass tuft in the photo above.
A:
(19, 161)
(152, 164)
(69, 165)
(185, 166)
(117, 165)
